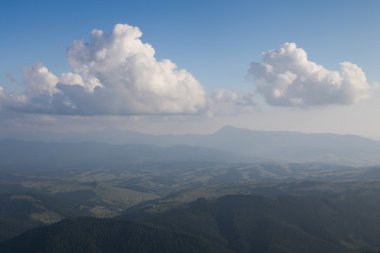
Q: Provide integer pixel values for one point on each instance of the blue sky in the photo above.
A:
(215, 41)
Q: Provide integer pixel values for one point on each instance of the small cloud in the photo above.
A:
(2, 96)
(223, 101)
(38, 79)
(286, 77)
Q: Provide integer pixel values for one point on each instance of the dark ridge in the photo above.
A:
(89, 235)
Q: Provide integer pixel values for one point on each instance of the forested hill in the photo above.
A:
(236, 223)
(93, 235)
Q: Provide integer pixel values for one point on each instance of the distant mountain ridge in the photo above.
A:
(17, 154)
(256, 145)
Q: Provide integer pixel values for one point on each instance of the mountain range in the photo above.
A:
(347, 222)
(227, 144)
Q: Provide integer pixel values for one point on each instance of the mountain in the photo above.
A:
(273, 146)
(38, 194)
(91, 235)
(255, 145)
(17, 154)
(298, 147)
(345, 222)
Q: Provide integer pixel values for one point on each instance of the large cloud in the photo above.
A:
(115, 74)
(286, 77)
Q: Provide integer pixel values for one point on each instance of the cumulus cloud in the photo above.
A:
(39, 80)
(286, 77)
(2, 96)
(223, 101)
(114, 74)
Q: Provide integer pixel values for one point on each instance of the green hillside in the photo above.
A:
(91, 235)
(234, 223)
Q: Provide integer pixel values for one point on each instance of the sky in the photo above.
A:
(189, 66)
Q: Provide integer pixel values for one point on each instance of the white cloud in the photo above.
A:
(223, 101)
(286, 77)
(38, 79)
(40, 94)
(114, 74)
(118, 74)
(2, 96)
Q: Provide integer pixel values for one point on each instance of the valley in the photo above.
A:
(205, 199)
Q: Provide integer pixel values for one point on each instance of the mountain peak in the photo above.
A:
(228, 129)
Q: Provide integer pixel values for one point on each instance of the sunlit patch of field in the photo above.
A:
(120, 197)
(46, 217)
